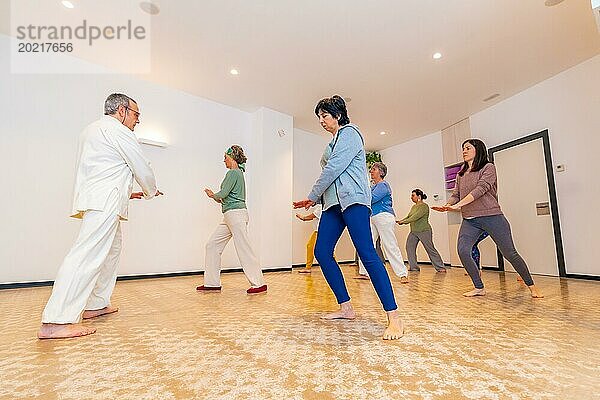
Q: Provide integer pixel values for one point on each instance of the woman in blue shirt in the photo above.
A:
(343, 190)
(383, 222)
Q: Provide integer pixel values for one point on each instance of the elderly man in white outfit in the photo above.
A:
(109, 159)
(383, 222)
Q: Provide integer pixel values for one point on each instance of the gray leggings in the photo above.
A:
(426, 238)
(499, 230)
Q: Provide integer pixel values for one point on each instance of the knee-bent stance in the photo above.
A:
(356, 219)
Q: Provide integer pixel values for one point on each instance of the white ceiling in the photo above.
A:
(291, 53)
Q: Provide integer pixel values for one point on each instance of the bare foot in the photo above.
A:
(63, 331)
(404, 279)
(304, 271)
(395, 327)
(87, 314)
(361, 276)
(345, 312)
(475, 292)
(535, 292)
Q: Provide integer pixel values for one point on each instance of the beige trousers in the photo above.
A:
(382, 226)
(234, 224)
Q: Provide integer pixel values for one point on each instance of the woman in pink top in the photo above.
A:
(475, 196)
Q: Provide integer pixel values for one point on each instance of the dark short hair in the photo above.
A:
(420, 193)
(481, 156)
(336, 106)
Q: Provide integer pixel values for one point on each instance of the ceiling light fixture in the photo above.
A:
(68, 4)
(234, 71)
(382, 133)
(149, 8)
(550, 3)
(437, 56)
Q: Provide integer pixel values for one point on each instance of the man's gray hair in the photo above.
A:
(382, 169)
(112, 103)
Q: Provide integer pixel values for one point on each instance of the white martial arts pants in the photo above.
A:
(234, 224)
(87, 277)
(382, 226)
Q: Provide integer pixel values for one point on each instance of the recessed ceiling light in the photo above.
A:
(382, 133)
(437, 56)
(550, 3)
(234, 71)
(149, 7)
(492, 97)
(67, 4)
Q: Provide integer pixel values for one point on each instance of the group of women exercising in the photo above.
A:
(345, 199)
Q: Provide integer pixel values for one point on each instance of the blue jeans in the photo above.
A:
(356, 219)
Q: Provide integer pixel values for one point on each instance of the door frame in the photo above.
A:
(560, 255)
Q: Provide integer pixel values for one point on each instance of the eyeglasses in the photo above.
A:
(137, 113)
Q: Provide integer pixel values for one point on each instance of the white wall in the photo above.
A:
(272, 197)
(418, 164)
(568, 105)
(42, 116)
(308, 148)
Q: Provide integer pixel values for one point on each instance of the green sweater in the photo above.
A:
(233, 191)
(418, 218)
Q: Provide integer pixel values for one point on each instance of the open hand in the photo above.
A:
(209, 193)
(441, 209)
(306, 203)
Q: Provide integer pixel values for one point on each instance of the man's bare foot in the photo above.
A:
(404, 279)
(361, 276)
(535, 292)
(304, 271)
(63, 331)
(395, 327)
(87, 314)
(345, 312)
(475, 292)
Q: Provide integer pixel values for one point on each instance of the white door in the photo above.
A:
(524, 199)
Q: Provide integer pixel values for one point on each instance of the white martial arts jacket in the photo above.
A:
(109, 158)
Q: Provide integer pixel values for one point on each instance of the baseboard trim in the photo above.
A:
(22, 285)
(317, 265)
(430, 263)
(582, 276)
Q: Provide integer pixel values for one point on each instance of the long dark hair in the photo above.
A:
(336, 106)
(481, 156)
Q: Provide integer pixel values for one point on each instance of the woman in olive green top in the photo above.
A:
(232, 197)
(420, 231)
